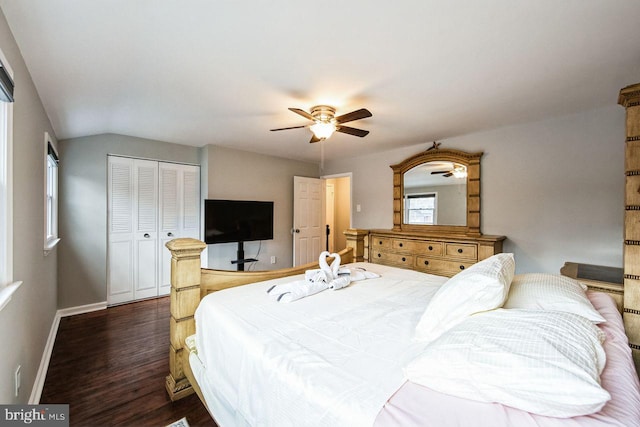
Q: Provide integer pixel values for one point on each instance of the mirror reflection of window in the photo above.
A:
(448, 181)
(421, 208)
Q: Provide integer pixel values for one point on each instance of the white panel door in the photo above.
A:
(120, 267)
(145, 228)
(308, 219)
(179, 212)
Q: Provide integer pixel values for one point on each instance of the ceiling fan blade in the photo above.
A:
(447, 175)
(362, 113)
(352, 131)
(303, 113)
(439, 172)
(292, 127)
(314, 138)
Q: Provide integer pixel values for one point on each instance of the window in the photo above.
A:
(421, 208)
(7, 287)
(51, 195)
(5, 198)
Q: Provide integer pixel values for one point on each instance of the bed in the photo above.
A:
(351, 357)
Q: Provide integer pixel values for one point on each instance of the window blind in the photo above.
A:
(6, 85)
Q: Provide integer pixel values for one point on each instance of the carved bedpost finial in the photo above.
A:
(357, 240)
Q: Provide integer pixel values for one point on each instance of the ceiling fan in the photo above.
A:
(459, 171)
(325, 122)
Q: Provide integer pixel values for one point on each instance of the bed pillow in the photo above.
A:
(546, 363)
(541, 291)
(483, 286)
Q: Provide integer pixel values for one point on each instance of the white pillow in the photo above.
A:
(483, 286)
(546, 363)
(541, 291)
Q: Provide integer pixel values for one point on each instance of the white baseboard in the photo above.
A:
(81, 309)
(38, 384)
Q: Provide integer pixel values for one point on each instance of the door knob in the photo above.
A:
(170, 234)
(297, 230)
(146, 235)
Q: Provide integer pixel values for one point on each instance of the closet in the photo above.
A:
(149, 203)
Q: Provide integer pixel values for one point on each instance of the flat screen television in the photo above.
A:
(237, 221)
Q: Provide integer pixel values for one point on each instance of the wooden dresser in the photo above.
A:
(429, 253)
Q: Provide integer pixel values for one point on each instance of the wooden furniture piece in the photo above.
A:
(437, 249)
(441, 255)
(190, 283)
(184, 295)
(598, 278)
(630, 99)
(471, 161)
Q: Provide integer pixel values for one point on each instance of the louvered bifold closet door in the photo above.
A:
(145, 228)
(190, 226)
(120, 264)
(179, 211)
(150, 203)
(169, 220)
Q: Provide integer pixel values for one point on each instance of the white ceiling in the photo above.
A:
(224, 72)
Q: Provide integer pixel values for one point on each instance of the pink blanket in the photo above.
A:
(414, 405)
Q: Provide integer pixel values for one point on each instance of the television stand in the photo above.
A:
(241, 260)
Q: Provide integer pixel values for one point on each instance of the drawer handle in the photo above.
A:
(403, 259)
(430, 248)
(380, 242)
(379, 255)
(462, 267)
(400, 245)
(426, 263)
(459, 251)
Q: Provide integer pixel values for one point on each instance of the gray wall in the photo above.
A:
(241, 175)
(26, 320)
(555, 188)
(83, 209)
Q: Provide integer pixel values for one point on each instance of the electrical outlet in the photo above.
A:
(17, 380)
(273, 259)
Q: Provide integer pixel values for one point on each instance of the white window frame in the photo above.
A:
(51, 237)
(7, 285)
(433, 195)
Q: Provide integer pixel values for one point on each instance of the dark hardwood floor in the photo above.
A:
(110, 367)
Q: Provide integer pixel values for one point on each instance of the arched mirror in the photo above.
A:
(438, 191)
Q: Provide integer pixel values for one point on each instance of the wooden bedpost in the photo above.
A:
(185, 297)
(630, 100)
(358, 241)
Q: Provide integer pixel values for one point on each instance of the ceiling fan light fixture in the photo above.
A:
(459, 171)
(323, 130)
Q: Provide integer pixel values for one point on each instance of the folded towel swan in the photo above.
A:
(326, 277)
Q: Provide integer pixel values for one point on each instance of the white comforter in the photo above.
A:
(330, 359)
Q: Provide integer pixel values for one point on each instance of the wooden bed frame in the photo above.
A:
(190, 283)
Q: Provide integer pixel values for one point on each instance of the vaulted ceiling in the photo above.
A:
(224, 72)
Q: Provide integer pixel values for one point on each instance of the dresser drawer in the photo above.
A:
(390, 258)
(440, 266)
(380, 242)
(462, 251)
(431, 248)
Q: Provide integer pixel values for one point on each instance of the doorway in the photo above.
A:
(321, 213)
(338, 210)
